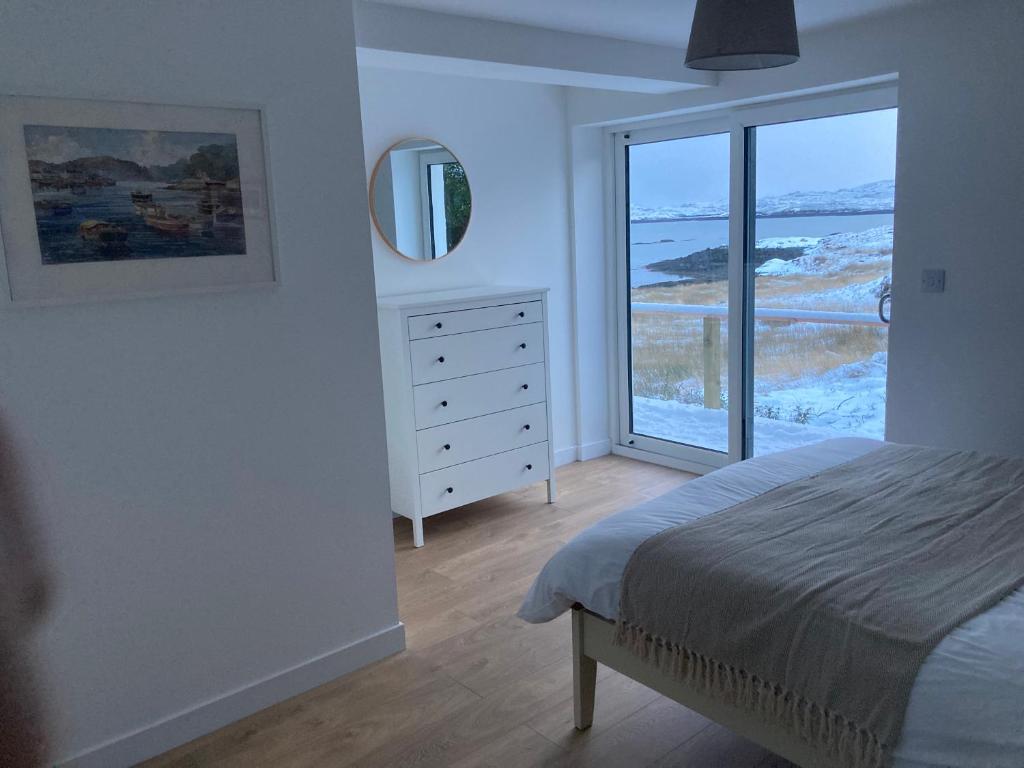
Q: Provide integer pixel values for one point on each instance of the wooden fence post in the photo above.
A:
(712, 362)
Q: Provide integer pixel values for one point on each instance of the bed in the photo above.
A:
(966, 705)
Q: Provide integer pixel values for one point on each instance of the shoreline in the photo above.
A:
(791, 215)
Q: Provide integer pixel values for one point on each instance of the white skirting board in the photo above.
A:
(589, 451)
(584, 452)
(180, 728)
(565, 456)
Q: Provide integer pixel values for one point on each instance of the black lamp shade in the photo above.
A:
(742, 34)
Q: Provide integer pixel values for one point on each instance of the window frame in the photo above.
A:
(428, 158)
(737, 122)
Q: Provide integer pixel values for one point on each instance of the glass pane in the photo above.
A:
(457, 203)
(678, 256)
(449, 206)
(438, 217)
(822, 262)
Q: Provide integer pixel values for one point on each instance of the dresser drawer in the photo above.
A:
(464, 441)
(474, 480)
(447, 357)
(466, 320)
(456, 399)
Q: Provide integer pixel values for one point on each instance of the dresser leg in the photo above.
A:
(551, 491)
(417, 531)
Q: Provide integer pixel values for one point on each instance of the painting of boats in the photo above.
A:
(104, 194)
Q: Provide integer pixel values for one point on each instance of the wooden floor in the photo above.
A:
(477, 686)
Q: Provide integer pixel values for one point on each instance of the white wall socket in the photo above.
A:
(933, 280)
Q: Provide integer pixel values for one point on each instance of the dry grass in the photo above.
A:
(668, 352)
(772, 291)
(668, 357)
(789, 351)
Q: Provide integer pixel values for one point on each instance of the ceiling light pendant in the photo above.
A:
(742, 34)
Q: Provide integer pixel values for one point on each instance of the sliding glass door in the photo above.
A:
(678, 258)
(754, 253)
(822, 262)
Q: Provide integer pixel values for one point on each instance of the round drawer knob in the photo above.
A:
(438, 326)
(447, 446)
(440, 359)
(523, 345)
(526, 386)
(529, 466)
(449, 489)
(522, 314)
(526, 426)
(444, 403)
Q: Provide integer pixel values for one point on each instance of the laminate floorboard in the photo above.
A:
(477, 687)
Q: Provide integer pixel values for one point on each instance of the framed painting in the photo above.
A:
(105, 199)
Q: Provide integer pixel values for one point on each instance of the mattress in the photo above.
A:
(966, 708)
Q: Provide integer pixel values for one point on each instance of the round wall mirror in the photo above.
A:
(420, 199)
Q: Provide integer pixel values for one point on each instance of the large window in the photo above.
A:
(754, 253)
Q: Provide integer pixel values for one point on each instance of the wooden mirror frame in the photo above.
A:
(373, 210)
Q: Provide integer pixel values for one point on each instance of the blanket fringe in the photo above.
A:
(835, 737)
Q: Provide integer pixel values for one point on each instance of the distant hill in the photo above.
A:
(173, 172)
(876, 197)
(214, 161)
(104, 166)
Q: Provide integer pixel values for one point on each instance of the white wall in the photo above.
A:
(595, 289)
(511, 138)
(210, 471)
(955, 372)
(956, 375)
(407, 207)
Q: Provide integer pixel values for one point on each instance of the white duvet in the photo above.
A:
(966, 709)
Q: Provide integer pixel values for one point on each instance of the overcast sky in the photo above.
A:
(812, 155)
(59, 144)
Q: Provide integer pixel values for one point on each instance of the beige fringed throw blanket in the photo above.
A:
(814, 605)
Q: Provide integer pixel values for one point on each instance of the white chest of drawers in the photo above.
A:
(467, 396)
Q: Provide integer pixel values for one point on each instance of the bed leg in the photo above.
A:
(584, 676)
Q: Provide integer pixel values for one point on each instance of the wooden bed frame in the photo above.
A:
(593, 642)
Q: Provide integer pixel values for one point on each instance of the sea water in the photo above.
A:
(61, 243)
(686, 237)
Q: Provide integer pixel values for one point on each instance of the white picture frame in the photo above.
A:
(73, 231)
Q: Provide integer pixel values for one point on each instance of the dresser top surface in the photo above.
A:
(430, 298)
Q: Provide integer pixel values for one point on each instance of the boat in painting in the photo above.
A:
(102, 232)
(159, 219)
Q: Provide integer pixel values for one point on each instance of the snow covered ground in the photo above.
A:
(707, 428)
(842, 271)
(830, 255)
(847, 401)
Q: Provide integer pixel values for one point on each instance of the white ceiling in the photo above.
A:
(664, 22)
